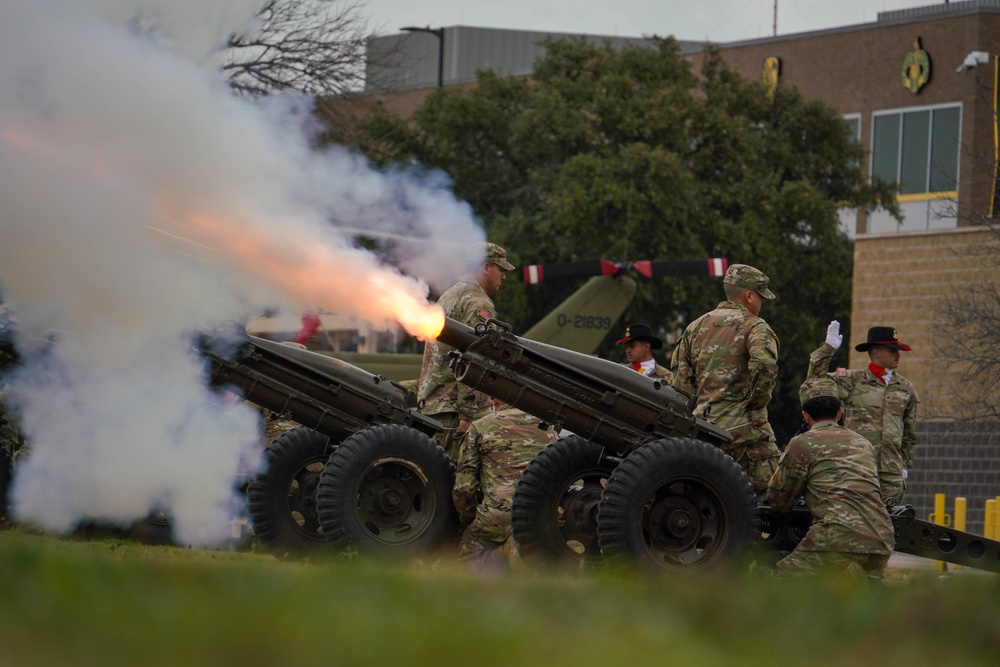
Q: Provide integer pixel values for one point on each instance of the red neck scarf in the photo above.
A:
(879, 373)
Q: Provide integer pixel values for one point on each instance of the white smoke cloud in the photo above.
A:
(141, 202)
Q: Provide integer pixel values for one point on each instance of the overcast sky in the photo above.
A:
(715, 20)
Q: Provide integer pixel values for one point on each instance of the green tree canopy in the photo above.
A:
(627, 154)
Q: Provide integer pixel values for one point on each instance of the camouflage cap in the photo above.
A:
(744, 275)
(816, 387)
(497, 255)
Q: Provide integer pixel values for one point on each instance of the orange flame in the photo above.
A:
(334, 278)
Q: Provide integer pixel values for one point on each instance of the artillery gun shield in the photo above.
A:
(678, 504)
(554, 512)
(282, 499)
(387, 490)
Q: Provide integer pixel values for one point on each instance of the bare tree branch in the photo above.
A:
(317, 47)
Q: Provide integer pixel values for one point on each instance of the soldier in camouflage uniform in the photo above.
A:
(443, 397)
(834, 469)
(494, 453)
(729, 359)
(639, 343)
(879, 403)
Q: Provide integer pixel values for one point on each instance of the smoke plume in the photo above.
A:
(142, 202)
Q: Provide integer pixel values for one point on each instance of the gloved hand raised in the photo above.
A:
(833, 336)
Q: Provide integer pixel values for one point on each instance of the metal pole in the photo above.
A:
(439, 33)
(440, 36)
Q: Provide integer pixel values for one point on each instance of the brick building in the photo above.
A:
(917, 87)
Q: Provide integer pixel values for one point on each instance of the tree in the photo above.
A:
(627, 154)
(313, 46)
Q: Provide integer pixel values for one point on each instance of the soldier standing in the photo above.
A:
(728, 358)
(834, 469)
(494, 453)
(879, 403)
(639, 343)
(443, 397)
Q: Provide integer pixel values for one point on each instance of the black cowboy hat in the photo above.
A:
(641, 332)
(882, 336)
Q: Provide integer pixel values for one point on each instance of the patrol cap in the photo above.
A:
(747, 277)
(817, 387)
(497, 255)
(882, 336)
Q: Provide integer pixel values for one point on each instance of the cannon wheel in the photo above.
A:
(282, 498)
(678, 504)
(554, 512)
(387, 490)
(154, 529)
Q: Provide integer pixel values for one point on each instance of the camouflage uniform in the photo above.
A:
(885, 415)
(494, 453)
(834, 468)
(444, 398)
(729, 359)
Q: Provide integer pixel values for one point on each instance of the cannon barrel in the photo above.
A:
(328, 395)
(602, 401)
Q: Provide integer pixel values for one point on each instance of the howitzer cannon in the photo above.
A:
(361, 471)
(639, 477)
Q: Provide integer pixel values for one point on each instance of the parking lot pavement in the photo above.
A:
(909, 562)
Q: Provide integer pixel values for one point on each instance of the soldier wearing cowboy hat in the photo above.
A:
(639, 343)
(879, 403)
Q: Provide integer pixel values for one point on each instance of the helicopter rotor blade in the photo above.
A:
(535, 274)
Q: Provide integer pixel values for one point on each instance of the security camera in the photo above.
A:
(974, 58)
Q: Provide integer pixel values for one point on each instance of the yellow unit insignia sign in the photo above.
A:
(769, 74)
(916, 68)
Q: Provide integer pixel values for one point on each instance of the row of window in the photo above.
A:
(916, 148)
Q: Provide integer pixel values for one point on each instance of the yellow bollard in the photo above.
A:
(961, 505)
(990, 520)
(940, 518)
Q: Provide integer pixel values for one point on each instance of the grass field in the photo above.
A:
(113, 602)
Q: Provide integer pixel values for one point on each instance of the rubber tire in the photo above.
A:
(678, 504)
(553, 518)
(282, 499)
(386, 491)
(153, 530)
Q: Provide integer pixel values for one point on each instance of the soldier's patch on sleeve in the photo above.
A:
(842, 372)
(484, 314)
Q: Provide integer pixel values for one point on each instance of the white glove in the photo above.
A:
(833, 337)
(904, 474)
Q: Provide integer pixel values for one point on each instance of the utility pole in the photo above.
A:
(439, 33)
(775, 18)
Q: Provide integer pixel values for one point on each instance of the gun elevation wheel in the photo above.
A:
(387, 489)
(678, 504)
(283, 498)
(554, 512)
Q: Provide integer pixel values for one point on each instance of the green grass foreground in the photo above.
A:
(113, 602)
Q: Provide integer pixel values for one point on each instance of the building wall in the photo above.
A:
(857, 70)
(902, 280)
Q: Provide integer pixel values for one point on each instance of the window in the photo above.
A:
(853, 121)
(918, 149)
